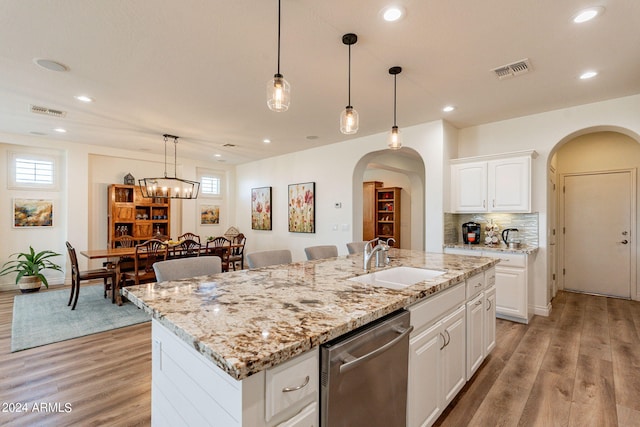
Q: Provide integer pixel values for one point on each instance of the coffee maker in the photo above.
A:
(471, 233)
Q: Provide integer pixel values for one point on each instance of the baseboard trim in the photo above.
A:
(542, 311)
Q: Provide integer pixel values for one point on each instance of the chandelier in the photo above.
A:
(169, 187)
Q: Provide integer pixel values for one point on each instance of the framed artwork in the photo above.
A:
(302, 209)
(261, 208)
(32, 213)
(209, 214)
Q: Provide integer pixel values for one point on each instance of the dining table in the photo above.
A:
(118, 254)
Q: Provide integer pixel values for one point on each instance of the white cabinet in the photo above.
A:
(436, 355)
(489, 320)
(499, 183)
(475, 334)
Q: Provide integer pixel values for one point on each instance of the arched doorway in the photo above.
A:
(402, 168)
(587, 250)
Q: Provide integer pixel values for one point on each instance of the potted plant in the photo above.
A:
(29, 267)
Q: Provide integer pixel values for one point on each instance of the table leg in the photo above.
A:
(116, 297)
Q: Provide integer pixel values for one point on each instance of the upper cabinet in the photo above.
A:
(500, 183)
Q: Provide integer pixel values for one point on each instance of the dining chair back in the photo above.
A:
(356, 247)
(78, 275)
(266, 258)
(124, 241)
(321, 252)
(147, 254)
(220, 247)
(189, 236)
(237, 251)
(183, 268)
(188, 248)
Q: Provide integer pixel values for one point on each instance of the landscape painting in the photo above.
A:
(209, 214)
(32, 213)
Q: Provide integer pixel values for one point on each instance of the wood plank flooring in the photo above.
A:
(578, 367)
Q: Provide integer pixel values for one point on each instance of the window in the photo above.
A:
(210, 185)
(27, 170)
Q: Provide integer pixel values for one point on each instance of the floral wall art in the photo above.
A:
(261, 208)
(32, 213)
(302, 210)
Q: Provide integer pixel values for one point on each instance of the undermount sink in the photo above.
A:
(397, 277)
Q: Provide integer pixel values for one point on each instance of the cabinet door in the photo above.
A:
(475, 335)
(489, 320)
(511, 291)
(424, 397)
(469, 187)
(308, 417)
(509, 185)
(454, 354)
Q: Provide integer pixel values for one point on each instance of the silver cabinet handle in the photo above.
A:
(489, 308)
(448, 338)
(624, 242)
(478, 285)
(444, 341)
(479, 302)
(353, 363)
(289, 389)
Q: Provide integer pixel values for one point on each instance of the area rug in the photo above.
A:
(44, 317)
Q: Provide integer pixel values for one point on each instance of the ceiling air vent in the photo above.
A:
(229, 145)
(512, 70)
(48, 111)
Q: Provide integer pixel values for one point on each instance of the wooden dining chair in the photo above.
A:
(237, 252)
(188, 248)
(78, 275)
(221, 247)
(146, 255)
(189, 236)
(320, 252)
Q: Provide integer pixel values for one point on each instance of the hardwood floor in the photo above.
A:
(103, 379)
(578, 367)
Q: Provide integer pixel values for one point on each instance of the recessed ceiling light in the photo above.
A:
(83, 98)
(448, 108)
(50, 65)
(588, 75)
(392, 13)
(266, 141)
(60, 130)
(588, 14)
(217, 155)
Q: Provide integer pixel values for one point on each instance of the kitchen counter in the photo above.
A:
(524, 249)
(247, 321)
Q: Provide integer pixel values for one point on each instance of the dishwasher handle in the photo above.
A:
(355, 362)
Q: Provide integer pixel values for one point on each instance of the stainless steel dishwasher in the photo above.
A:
(364, 375)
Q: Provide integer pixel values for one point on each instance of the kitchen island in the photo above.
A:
(244, 325)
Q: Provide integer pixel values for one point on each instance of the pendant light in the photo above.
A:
(169, 187)
(278, 89)
(349, 117)
(395, 139)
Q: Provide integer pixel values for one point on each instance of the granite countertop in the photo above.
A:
(501, 247)
(247, 321)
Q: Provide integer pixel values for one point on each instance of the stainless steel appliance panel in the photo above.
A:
(364, 375)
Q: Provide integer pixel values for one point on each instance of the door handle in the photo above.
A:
(624, 242)
(353, 363)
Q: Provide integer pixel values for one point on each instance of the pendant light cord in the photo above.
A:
(394, 98)
(165, 156)
(175, 156)
(279, 36)
(349, 91)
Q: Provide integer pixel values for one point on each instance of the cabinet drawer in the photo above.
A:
(490, 277)
(292, 383)
(308, 417)
(475, 284)
(507, 259)
(425, 312)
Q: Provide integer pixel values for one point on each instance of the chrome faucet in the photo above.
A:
(380, 251)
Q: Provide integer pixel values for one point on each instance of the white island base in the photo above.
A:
(189, 390)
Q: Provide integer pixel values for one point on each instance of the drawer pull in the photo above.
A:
(478, 285)
(489, 308)
(478, 303)
(288, 389)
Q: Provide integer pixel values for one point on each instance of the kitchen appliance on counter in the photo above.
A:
(471, 233)
(511, 238)
(363, 375)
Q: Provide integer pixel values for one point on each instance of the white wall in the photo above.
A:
(333, 168)
(543, 132)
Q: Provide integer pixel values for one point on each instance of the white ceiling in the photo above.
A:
(198, 68)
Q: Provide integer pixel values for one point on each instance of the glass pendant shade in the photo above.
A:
(349, 121)
(278, 93)
(395, 138)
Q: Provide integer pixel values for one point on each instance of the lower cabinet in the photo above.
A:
(475, 334)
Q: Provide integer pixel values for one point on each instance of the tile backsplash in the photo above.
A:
(526, 223)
